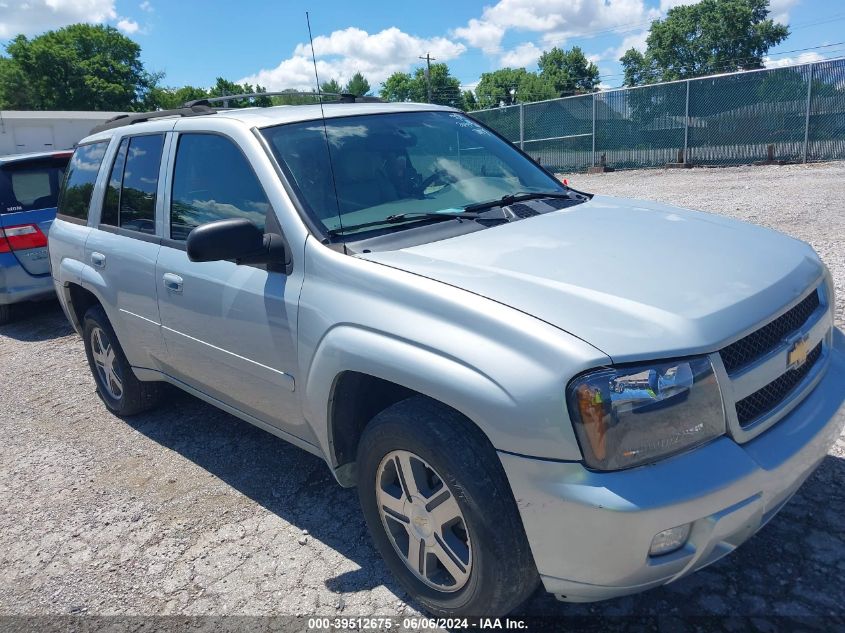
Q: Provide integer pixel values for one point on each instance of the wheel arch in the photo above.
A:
(357, 373)
(79, 301)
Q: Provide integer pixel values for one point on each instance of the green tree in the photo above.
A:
(224, 87)
(170, 98)
(499, 87)
(78, 67)
(568, 72)
(712, 36)
(470, 103)
(508, 86)
(332, 87)
(400, 87)
(358, 85)
(297, 97)
(445, 89)
(638, 69)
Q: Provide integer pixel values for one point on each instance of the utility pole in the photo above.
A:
(428, 59)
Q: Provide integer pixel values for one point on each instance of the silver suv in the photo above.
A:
(527, 384)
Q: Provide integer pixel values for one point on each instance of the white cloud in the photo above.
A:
(146, 6)
(556, 19)
(484, 35)
(779, 10)
(345, 52)
(36, 16)
(128, 26)
(803, 58)
(635, 40)
(665, 5)
(525, 54)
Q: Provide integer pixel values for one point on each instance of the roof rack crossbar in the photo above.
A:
(128, 119)
(341, 97)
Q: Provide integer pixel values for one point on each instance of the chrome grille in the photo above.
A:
(764, 400)
(757, 344)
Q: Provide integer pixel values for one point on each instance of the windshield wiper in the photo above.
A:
(400, 218)
(514, 197)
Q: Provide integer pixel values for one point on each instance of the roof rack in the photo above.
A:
(341, 97)
(199, 107)
(128, 119)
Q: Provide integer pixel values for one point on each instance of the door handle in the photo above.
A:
(98, 260)
(172, 282)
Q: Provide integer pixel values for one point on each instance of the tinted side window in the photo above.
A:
(112, 199)
(212, 180)
(81, 176)
(140, 181)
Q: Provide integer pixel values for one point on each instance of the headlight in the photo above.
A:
(626, 416)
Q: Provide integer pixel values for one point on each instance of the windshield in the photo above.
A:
(390, 164)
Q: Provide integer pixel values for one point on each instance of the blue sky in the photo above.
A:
(267, 42)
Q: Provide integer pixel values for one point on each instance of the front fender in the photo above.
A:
(503, 369)
(427, 371)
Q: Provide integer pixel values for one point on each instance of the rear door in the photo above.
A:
(29, 191)
(124, 248)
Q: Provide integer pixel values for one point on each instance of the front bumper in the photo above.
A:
(590, 532)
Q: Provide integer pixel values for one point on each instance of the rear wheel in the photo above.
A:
(117, 384)
(441, 512)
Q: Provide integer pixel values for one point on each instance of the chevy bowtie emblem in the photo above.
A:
(798, 354)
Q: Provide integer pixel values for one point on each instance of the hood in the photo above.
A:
(635, 279)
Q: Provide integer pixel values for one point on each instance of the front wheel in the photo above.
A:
(440, 510)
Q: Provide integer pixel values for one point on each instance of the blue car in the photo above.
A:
(29, 191)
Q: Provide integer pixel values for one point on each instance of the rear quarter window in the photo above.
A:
(81, 176)
(31, 185)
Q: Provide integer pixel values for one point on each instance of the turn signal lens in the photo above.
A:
(591, 408)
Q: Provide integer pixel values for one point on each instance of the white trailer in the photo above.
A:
(37, 131)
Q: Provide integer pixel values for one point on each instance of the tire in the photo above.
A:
(5, 313)
(118, 387)
(457, 469)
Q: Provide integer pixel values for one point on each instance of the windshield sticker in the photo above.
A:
(469, 124)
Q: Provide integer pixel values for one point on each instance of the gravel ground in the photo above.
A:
(187, 510)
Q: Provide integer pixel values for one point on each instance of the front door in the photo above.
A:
(229, 329)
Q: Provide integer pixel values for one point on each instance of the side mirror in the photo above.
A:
(238, 240)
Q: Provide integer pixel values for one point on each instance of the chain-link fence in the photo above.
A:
(793, 113)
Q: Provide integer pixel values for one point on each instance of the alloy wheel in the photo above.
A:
(423, 521)
(104, 359)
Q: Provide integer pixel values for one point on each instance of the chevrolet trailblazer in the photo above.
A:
(526, 383)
